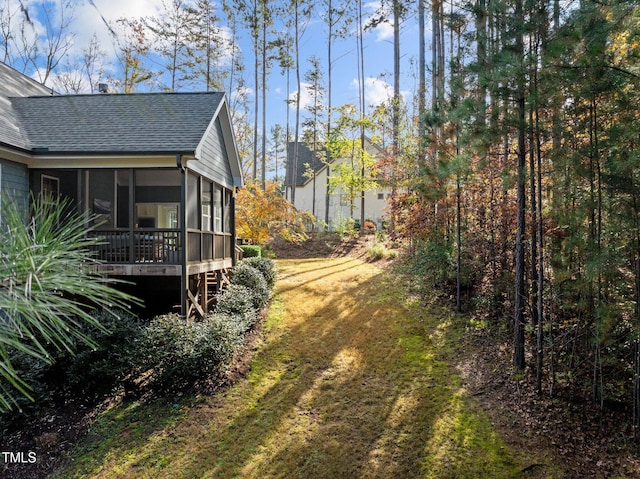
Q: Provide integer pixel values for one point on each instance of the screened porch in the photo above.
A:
(149, 216)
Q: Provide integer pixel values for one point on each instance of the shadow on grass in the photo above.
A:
(350, 383)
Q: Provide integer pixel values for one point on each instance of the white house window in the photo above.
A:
(217, 210)
(206, 207)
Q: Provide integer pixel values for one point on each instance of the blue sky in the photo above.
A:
(90, 17)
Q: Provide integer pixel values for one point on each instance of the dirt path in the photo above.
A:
(352, 380)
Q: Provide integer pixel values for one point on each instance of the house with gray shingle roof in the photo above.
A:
(311, 182)
(160, 170)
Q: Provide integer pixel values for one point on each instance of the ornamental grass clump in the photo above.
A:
(48, 287)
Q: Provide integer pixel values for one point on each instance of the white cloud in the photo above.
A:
(305, 97)
(92, 17)
(377, 91)
(384, 32)
(81, 21)
(384, 29)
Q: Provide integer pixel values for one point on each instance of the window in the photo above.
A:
(227, 211)
(49, 187)
(172, 218)
(206, 206)
(217, 209)
(381, 196)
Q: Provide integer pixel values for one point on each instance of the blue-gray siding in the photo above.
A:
(14, 182)
(214, 163)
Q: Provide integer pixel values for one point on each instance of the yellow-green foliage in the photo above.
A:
(262, 214)
(379, 251)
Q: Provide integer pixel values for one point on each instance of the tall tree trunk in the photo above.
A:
(481, 59)
(361, 107)
(422, 87)
(263, 162)
(636, 348)
(540, 39)
(327, 202)
(296, 139)
(597, 218)
(256, 71)
(520, 298)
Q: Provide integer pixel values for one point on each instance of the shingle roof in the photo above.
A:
(116, 123)
(12, 84)
(306, 157)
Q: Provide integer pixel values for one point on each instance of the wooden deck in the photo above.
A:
(159, 252)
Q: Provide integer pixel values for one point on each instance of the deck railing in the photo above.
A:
(160, 246)
(143, 246)
(207, 246)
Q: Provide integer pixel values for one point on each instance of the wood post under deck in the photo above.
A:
(201, 291)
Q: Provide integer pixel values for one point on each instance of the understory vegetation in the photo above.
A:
(521, 200)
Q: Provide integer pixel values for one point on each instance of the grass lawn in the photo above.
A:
(352, 380)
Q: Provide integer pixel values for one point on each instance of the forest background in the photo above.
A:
(510, 129)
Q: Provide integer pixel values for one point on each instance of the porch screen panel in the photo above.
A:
(157, 197)
(227, 211)
(217, 209)
(123, 198)
(193, 194)
(101, 197)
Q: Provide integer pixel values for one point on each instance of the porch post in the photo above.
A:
(232, 223)
(184, 280)
(132, 215)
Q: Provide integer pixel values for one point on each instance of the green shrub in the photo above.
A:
(46, 383)
(237, 301)
(434, 262)
(379, 250)
(180, 353)
(251, 251)
(345, 227)
(245, 275)
(87, 373)
(97, 371)
(267, 267)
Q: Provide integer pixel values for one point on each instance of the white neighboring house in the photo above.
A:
(312, 191)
